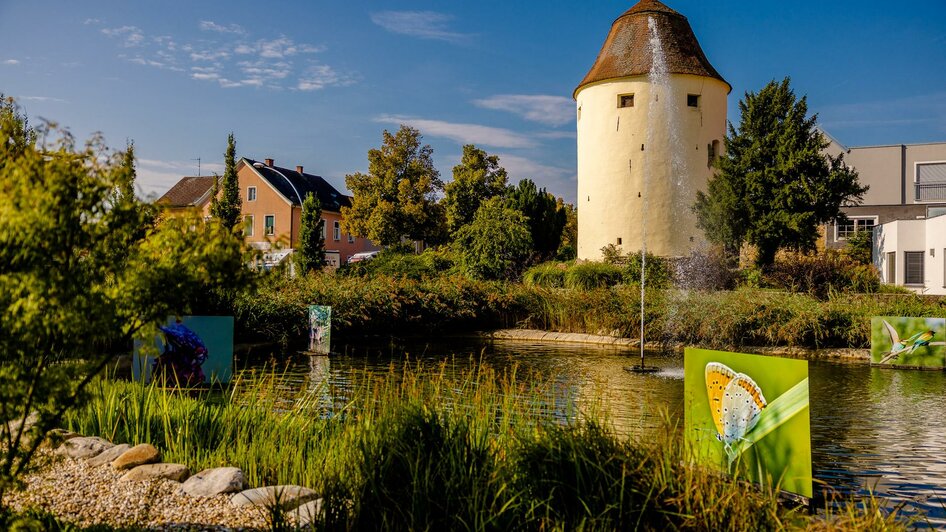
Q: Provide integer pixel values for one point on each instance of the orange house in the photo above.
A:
(272, 199)
(190, 193)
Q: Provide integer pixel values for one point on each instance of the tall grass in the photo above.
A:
(419, 450)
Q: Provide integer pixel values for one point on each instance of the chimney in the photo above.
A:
(299, 169)
(269, 162)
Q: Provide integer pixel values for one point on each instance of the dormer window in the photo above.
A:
(626, 100)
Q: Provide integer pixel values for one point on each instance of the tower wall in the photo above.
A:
(612, 165)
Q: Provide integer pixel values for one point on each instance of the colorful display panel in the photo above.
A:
(748, 415)
(193, 350)
(320, 329)
(908, 342)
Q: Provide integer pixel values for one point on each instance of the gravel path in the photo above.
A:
(83, 495)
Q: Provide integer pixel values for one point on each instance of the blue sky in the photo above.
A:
(315, 82)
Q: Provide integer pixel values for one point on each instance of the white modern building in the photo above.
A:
(912, 253)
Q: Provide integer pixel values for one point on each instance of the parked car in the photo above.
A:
(364, 255)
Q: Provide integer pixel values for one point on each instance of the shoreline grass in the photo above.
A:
(417, 449)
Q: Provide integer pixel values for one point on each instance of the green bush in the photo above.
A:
(822, 273)
(547, 275)
(589, 275)
(659, 273)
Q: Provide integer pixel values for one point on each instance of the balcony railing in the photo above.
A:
(931, 192)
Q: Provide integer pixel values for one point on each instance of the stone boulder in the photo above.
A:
(109, 455)
(211, 482)
(308, 512)
(175, 472)
(84, 447)
(56, 437)
(288, 496)
(143, 453)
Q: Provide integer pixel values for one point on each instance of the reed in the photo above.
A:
(442, 447)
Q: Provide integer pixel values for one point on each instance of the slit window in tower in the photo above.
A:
(619, 241)
(693, 100)
(626, 100)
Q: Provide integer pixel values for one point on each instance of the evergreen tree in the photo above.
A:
(774, 186)
(546, 220)
(397, 197)
(228, 207)
(311, 252)
(476, 179)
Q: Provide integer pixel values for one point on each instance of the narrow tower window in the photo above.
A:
(626, 100)
(693, 100)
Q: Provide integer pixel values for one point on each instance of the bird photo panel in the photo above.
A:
(748, 416)
(908, 342)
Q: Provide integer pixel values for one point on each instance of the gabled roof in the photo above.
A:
(190, 191)
(295, 186)
(628, 51)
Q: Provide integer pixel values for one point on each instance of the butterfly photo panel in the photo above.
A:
(320, 329)
(214, 334)
(908, 342)
(748, 415)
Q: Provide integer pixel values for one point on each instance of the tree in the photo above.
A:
(476, 179)
(860, 246)
(396, 198)
(83, 270)
(774, 187)
(496, 243)
(546, 220)
(568, 249)
(311, 253)
(228, 207)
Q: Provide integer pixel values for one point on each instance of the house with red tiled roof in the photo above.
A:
(190, 193)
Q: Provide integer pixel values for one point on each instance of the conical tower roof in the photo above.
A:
(627, 50)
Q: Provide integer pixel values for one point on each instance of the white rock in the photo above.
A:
(288, 496)
(84, 446)
(109, 455)
(211, 482)
(306, 513)
(175, 472)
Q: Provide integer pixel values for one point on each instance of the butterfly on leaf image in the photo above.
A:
(736, 402)
(898, 346)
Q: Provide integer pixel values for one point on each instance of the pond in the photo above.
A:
(872, 429)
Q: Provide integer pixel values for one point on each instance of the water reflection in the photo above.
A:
(871, 428)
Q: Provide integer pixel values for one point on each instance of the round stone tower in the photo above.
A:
(651, 118)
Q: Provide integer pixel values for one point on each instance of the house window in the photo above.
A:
(619, 241)
(248, 225)
(336, 231)
(693, 100)
(913, 267)
(844, 229)
(892, 267)
(251, 194)
(626, 100)
(269, 223)
(931, 181)
(322, 228)
(351, 239)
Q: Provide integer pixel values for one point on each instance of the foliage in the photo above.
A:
(394, 262)
(82, 272)
(589, 275)
(612, 254)
(496, 243)
(545, 217)
(547, 275)
(657, 270)
(568, 249)
(774, 186)
(860, 247)
(705, 270)
(396, 198)
(476, 179)
(311, 253)
(228, 207)
(822, 273)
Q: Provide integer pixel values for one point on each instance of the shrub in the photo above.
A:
(547, 275)
(659, 274)
(820, 274)
(496, 244)
(590, 275)
(704, 270)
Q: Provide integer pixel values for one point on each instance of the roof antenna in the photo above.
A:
(198, 165)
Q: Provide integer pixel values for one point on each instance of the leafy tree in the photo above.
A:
(546, 219)
(774, 186)
(496, 243)
(396, 198)
(228, 207)
(311, 253)
(82, 271)
(568, 249)
(860, 247)
(477, 178)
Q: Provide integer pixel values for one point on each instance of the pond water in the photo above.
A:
(872, 429)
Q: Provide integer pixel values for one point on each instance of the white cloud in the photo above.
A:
(463, 133)
(421, 24)
(320, 76)
(557, 180)
(42, 99)
(132, 35)
(155, 177)
(90, 21)
(256, 69)
(209, 25)
(544, 109)
(209, 56)
(11, 62)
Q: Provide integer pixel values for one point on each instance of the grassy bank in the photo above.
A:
(381, 304)
(418, 450)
